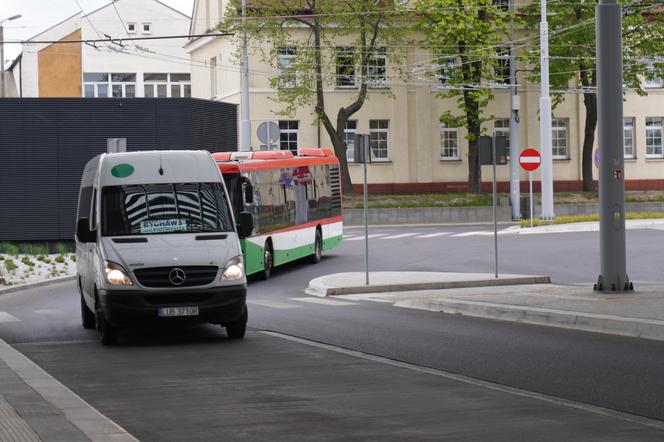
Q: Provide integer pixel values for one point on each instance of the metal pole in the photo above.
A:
(530, 181)
(495, 220)
(2, 61)
(514, 128)
(245, 129)
(366, 213)
(613, 262)
(545, 121)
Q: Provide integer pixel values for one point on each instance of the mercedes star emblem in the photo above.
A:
(177, 276)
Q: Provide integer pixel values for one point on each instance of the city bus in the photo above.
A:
(295, 201)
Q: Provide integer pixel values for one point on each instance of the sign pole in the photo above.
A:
(530, 180)
(495, 221)
(365, 147)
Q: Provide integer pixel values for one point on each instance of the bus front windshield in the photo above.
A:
(164, 208)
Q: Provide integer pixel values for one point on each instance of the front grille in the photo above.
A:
(194, 276)
(177, 298)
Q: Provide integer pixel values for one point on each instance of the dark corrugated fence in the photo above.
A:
(45, 143)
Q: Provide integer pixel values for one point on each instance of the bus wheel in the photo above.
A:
(268, 261)
(105, 330)
(318, 248)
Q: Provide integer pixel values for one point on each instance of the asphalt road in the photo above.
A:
(617, 373)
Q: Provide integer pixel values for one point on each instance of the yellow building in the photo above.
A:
(417, 153)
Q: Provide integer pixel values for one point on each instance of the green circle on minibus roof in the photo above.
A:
(122, 170)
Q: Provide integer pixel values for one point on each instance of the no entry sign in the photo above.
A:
(530, 159)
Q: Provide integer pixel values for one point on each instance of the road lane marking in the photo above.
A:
(6, 317)
(433, 235)
(401, 235)
(324, 301)
(373, 235)
(465, 234)
(272, 304)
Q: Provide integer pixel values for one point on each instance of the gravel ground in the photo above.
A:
(31, 268)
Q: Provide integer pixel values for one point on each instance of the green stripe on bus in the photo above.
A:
(332, 242)
(253, 257)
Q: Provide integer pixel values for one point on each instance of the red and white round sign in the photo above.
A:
(530, 159)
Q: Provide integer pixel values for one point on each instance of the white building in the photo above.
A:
(151, 67)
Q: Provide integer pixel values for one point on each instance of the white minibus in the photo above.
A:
(156, 243)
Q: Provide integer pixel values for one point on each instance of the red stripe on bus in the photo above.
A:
(334, 219)
(254, 165)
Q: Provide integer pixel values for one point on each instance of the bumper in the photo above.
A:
(218, 305)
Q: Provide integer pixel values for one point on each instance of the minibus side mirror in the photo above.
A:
(83, 232)
(246, 224)
(247, 191)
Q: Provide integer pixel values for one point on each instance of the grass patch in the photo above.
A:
(592, 217)
(25, 260)
(59, 259)
(73, 258)
(10, 265)
(33, 249)
(356, 201)
(61, 248)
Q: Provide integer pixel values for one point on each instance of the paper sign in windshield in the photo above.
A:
(163, 226)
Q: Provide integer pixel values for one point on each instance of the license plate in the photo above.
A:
(178, 311)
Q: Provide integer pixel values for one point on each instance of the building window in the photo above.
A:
(349, 135)
(147, 28)
(131, 28)
(559, 139)
(654, 137)
(445, 69)
(158, 85)
(449, 142)
(628, 137)
(285, 66)
(378, 140)
(213, 77)
(377, 68)
(95, 85)
(180, 85)
(501, 127)
(651, 79)
(288, 135)
(502, 70)
(123, 85)
(345, 67)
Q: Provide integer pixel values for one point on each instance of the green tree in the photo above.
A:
(467, 38)
(307, 33)
(572, 61)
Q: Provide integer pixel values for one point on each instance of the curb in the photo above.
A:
(590, 322)
(30, 285)
(317, 288)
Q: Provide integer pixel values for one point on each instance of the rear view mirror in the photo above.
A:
(83, 232)
(246, 224)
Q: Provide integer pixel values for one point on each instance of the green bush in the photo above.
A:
(73, 258)
(41, 258)
(8, 248)
(33, 249)
(59, 259)
(61, 248)
(2, 258)
(25, 260)
(10, 265)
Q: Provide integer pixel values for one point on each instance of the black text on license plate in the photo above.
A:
(178, 311)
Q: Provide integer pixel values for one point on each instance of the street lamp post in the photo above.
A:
(2, 53)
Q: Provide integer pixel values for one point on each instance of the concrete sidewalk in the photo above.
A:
(36, 407)
(526, 299)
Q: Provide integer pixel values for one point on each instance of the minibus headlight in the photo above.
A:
(233, 270)
(116, 275)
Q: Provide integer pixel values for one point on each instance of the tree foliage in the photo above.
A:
(572, 45)
(467, 38)
(311, 31)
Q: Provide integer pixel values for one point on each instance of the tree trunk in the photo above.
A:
(590, 102)
(474, 132)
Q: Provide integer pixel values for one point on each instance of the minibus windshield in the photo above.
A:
(164, 208)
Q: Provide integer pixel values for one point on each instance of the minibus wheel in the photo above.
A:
(237, 329)
(105, 331)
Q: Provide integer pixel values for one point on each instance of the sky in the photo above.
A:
(39, 15)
